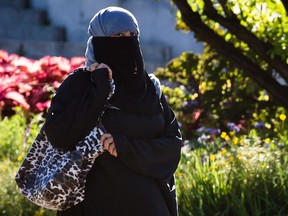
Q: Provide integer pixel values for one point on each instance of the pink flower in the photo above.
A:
(30, 83)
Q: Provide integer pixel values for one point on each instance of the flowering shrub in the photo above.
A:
(210, 95)
(233, 175)
(30, 83)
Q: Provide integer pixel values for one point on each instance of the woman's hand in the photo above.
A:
(108, 143)
(102, 65)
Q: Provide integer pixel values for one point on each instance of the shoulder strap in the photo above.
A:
(156, 83)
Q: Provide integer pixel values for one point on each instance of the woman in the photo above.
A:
(135, 174)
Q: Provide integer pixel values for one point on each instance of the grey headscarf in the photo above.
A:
(109, 21)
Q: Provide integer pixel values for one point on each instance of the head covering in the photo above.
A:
(112, 20)
(109, 21)
(134, 92)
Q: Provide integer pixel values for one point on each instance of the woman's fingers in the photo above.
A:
(104, 137)
(93, 67)
(108, 143)
(114, 152)
(96, 65)
(102, 65)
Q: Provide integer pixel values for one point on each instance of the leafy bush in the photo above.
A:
(30, 83)
(207, 92)
(16, 134)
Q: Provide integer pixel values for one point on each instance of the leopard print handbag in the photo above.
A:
(53, 178)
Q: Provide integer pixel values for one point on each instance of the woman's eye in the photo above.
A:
(124, 34)
(119, 35)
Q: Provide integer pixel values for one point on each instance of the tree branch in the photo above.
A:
(228, 51)
(285, 3)
(261, 48)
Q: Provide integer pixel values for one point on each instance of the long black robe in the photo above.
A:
(140, 180)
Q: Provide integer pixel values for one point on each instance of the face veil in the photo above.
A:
(134, 90)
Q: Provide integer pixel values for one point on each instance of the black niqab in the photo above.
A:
(134, 90)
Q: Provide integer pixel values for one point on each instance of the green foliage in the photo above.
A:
(206, 91)
(241, 178)
(266, 19)
(235, 158)
(11, 137)
(16, 133)
(251, 35)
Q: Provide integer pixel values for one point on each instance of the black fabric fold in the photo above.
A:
(76, 108)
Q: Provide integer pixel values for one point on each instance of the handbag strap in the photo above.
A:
(90, 146)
